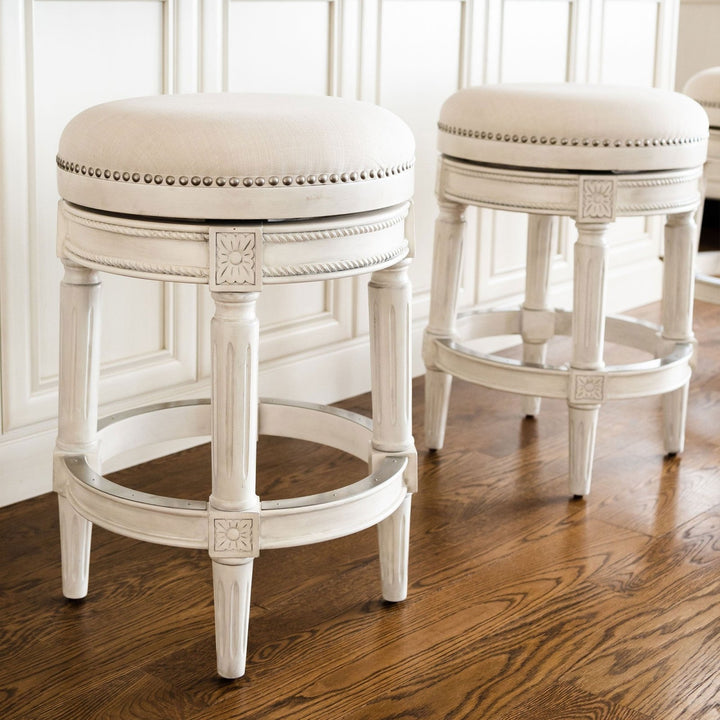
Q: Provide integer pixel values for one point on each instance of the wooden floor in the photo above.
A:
(523, 604)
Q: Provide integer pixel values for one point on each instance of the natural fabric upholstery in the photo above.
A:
(241, 156)
(574, 127)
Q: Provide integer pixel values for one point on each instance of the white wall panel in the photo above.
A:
(70, 54)
(266, 53)
(421, 61)
(535, 41)
(629, 34)
(529, 41)
(64, 83)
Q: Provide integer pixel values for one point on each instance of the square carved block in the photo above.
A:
(234, 535)
(235, 259)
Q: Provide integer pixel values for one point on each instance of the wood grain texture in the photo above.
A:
(522, 603)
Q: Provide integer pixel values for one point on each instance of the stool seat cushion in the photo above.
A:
(236, 157)
(574, 127)
(704, 87)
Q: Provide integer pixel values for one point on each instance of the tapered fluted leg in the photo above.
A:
(587, 390)
(583, 427)
(537, 320)
(677, 315)
(233, 503)
(447, 259)
(389, 300)
(232, 586)
(77, 411)
(394, 542)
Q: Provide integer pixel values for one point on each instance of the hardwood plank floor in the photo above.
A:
(523, 604)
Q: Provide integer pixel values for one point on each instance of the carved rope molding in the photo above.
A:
(573, 142)
(675, 179)
(136, 177)
(133, 231)
(268, 272)
(202, 273)
(471, 198)
(333, 233)
(190, 271)
(336, 266)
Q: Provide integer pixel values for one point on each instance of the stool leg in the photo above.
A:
(77, 411)
(389, 294)
(447, 259)
(234, 349)
(588, 338)
(541, 230)
(681, 239)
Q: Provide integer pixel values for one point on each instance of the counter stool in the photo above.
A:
(704, 87)
(595, 154)
(235, 191)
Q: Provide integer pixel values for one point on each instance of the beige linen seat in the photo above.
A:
(595, 154)
(704, 88)
(235, 192)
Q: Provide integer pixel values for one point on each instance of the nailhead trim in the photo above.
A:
(573, 142)
(233, 182)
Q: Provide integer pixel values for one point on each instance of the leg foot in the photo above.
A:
(232, 616)
(681, 239)
(674, 414)
(393, 538)
(437, 401)
(583, 426)
(537, 325)
(75, 535)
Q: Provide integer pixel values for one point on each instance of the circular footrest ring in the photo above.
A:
(280, 523)
(613, 382)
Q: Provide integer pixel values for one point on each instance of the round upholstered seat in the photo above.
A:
(704, 88)
(240, 156)
(574, 127)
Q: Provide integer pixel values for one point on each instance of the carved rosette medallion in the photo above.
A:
(236, 259)
(597, 199)
(587, 388)
(234, 536)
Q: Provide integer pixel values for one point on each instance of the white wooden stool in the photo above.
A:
(595, 154)
(235, 191)
(704, 87)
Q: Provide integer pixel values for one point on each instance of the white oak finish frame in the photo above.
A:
(234, 525)
(594, 201)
